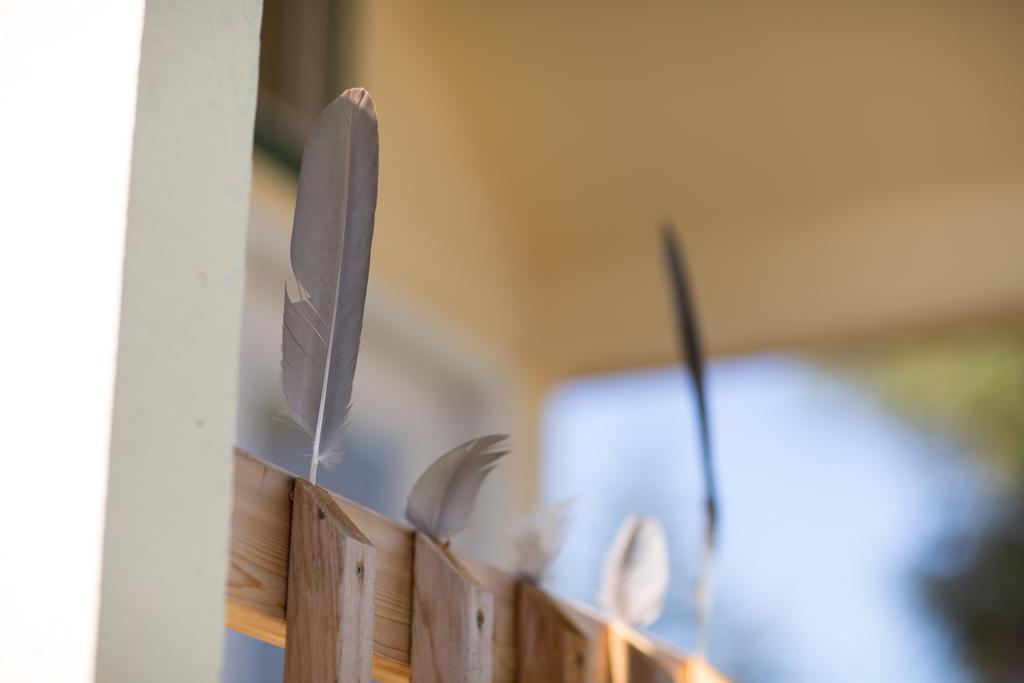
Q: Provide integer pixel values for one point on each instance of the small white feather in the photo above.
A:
(636, 572)
(442, 498)
(537, 540)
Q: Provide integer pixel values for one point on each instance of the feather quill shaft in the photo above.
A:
(330, 255)
(442, 498)
(689, 338)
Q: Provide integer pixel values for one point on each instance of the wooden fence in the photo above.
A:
(366, 594)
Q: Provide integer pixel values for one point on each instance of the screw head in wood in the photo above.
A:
(479, 618)
(359, 570)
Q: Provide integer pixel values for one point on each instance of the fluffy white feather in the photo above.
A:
(636, 572)
(330, 253)
(442, 498)
(537, 540)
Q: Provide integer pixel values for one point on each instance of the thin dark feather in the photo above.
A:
(689, 338)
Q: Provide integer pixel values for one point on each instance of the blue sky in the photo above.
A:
(830, 505)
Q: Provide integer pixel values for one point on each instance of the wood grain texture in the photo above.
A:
(261, 518)
(551, 646)
(699, 671)
(589, 622)
(635, 659)
(643, 650)
(452, 619)
(502, 588)
(258, 578)
(393, 597)
(331, 570)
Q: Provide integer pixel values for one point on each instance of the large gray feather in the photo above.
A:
(330, 253)
(636, 572)
(537, 541)
(442, 498)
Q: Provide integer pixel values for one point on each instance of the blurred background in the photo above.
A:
(848, 179)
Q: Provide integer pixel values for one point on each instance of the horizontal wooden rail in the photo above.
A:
(258, 578)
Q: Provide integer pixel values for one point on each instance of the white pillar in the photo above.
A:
(126, 136)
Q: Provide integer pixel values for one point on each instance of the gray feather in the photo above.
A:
(442, 498)
(537, 541)
(636, 572)
(330, 253)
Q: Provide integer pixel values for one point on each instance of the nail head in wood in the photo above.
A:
(452, 620)
(330, 605)
(551, 645)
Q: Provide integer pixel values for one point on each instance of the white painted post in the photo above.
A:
(167, 530)
(127, 138)
(68, 74)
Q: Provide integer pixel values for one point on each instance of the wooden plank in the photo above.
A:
(635, 658)
(258, 578)
(699, 671)
(589, 622)
(693, 669)
(593, 625)
(393, 598)
(551, 645)
(261, 519)
(503, 588)
(452, 619)
(630, 664)
(331, 570)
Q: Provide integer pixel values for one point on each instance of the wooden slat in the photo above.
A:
(393, 596)
(552, 647)
(258, 575)
(634, 661)
(699, 671)
(258, 578)
(452, 619)
(261, 519)
(331, 576)
(589, 622)
(503, 588)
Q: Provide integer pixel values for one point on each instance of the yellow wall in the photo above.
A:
(446, 234)
(839, 171)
